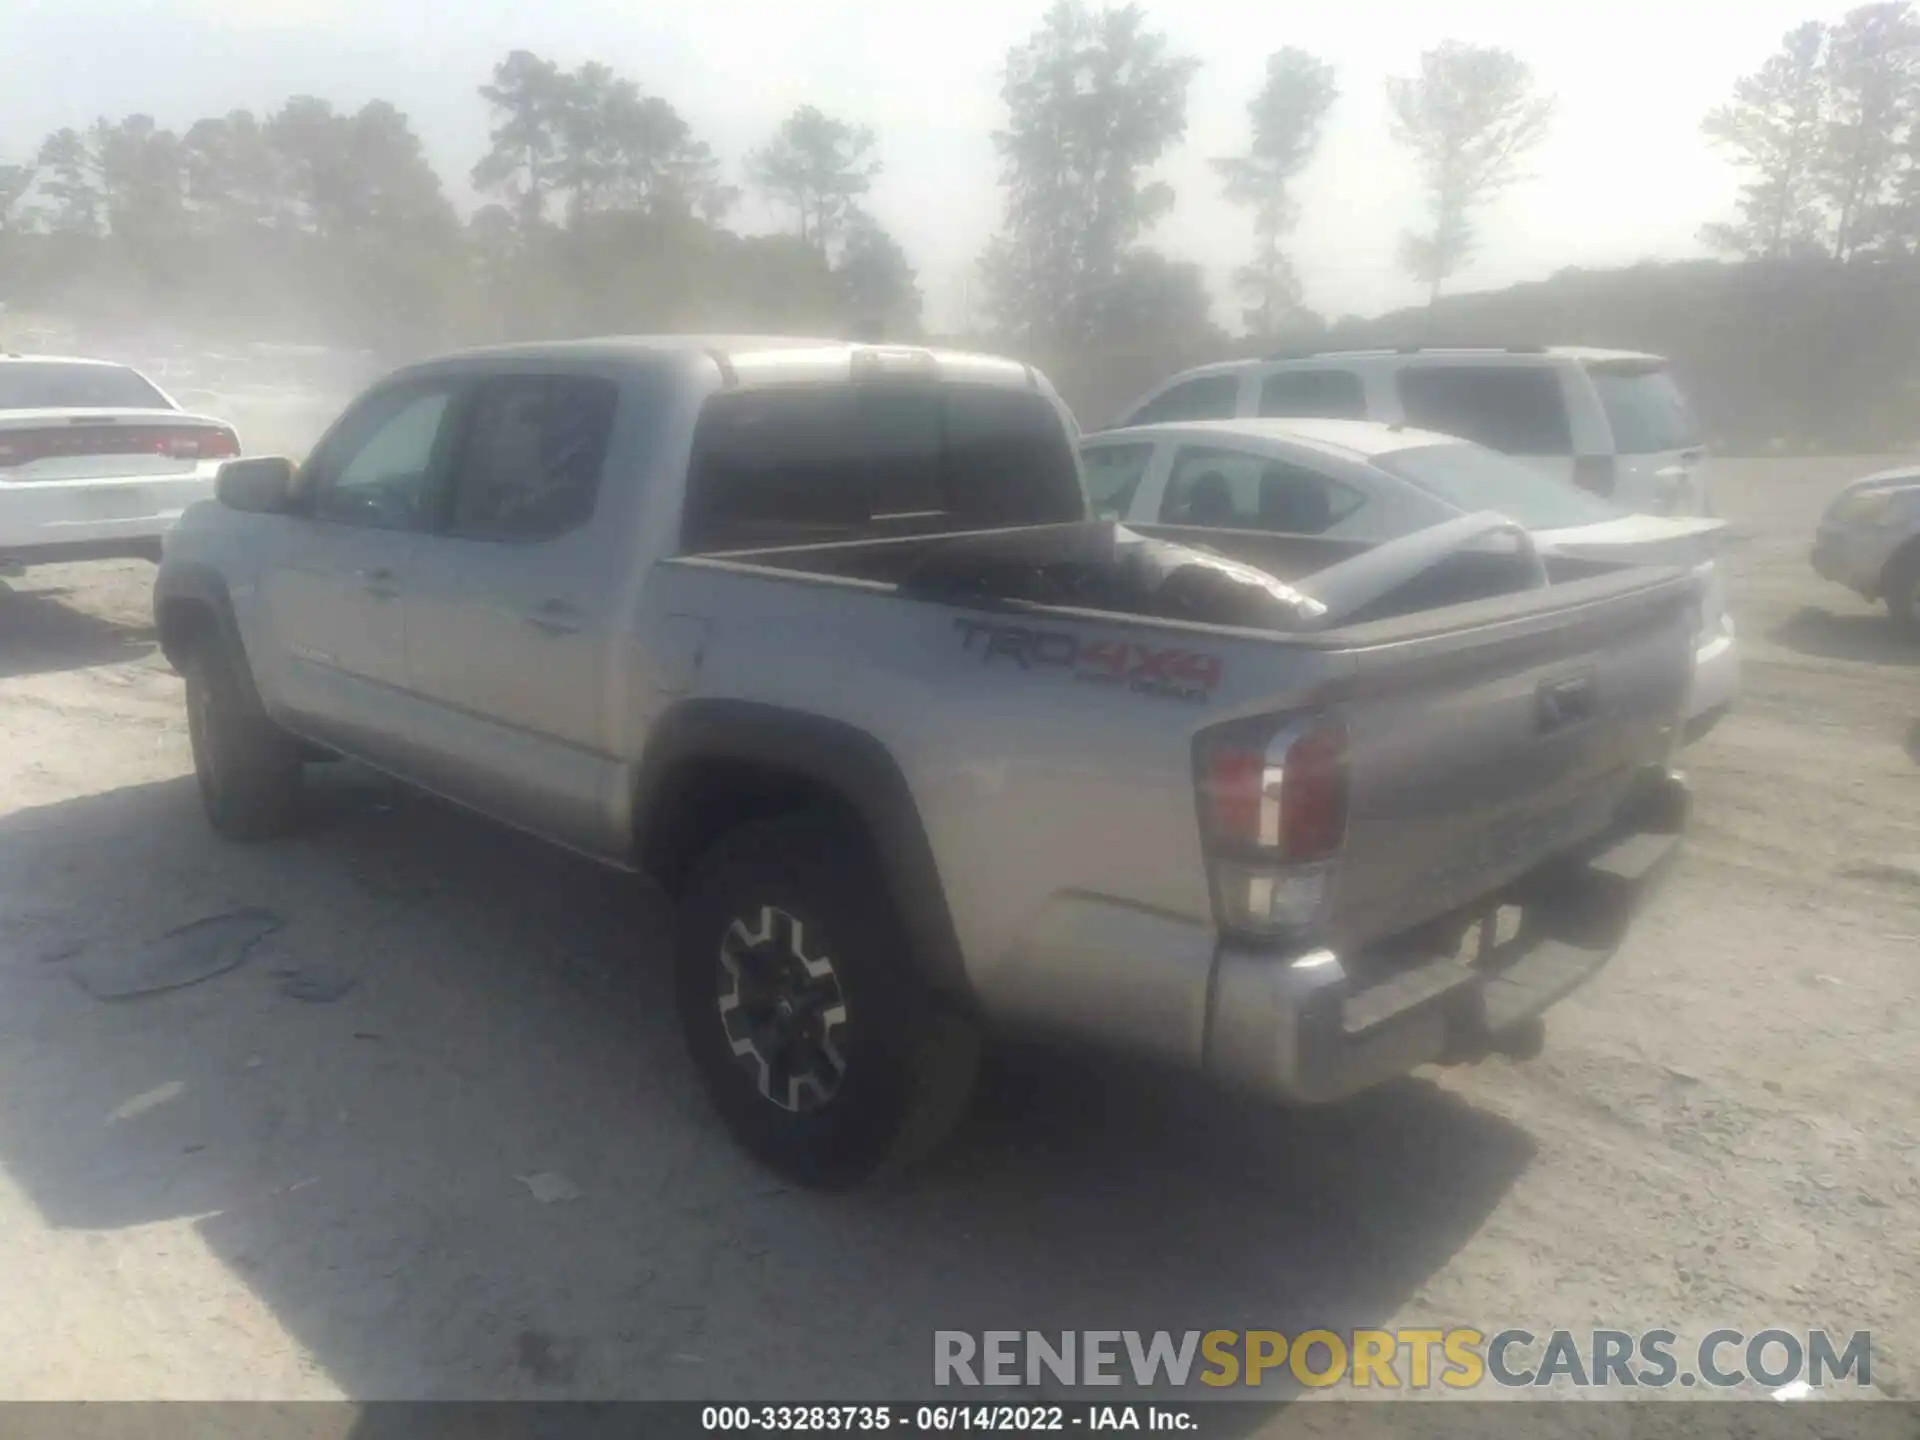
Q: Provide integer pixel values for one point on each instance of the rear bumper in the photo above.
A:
(1716, 681)
(48, 515)
(1316, 1027)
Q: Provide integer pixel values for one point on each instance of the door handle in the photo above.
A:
(381, 584)
(555, 617)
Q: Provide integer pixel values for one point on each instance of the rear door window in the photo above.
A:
(1645, 409)
(1209, 397)
(784, 465)
(1325, 394)
(1230, 489)
(530, 462)
(1114, 473)
(1515, 409)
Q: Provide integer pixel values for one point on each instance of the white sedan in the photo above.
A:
(1356, 479)
(96, 460)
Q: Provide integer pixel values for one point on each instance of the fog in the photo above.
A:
(223, 176)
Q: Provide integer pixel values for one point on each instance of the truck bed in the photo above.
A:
(1013, 564)
(1457, 786)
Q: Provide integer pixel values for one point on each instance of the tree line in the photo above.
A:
(1095, 99)
(601, 210)
(604, 210)
(1827, 134)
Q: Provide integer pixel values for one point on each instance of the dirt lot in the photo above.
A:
(229, 1191)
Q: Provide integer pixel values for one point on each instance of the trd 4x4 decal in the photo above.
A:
(1144, 669)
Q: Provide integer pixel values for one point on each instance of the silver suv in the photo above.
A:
(1611, 421)
(1869, 541)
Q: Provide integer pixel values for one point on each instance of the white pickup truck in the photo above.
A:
(823, 638)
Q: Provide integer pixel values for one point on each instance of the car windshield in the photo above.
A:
(54, 385)
(1645, 408)
(1475, 478)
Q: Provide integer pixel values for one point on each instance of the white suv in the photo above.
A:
(1611, 421)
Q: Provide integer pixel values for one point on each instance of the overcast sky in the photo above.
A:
(1624, 175)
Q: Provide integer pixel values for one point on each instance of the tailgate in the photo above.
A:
(1480, 749)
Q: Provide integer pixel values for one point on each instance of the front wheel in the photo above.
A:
(1902, 590)
(247, 767)
(819, 1047)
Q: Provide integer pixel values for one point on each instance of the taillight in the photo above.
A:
(176, 442)
(214, 443)
(1597, 473)
(1273, 816)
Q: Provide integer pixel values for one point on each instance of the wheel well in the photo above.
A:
(183, 625)
(706, 798)
(1906, 554)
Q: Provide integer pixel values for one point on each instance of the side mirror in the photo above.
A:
(262, 483)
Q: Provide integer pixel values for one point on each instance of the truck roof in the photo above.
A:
(769, 358)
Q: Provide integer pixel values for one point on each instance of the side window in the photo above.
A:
(1517, 410)
(1226, 489)
(1300, 501)
(1210, 397)
(1326, 394)
(1114, 473)
(377, 469)
(1213, 487)
(529, 465)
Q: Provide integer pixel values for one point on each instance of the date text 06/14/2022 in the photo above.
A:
(942, 1419)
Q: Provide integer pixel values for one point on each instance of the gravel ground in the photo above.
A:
(230, 1191)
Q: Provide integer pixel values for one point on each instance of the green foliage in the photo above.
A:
(877, 284)
(817, 167)
(1775, 127)
(1286, 116)
(527, 96)
(1828, 133)
(1469, 117)
(73, 204)
(1872, 70)
(16, 181)
(605, 214)
(1094, 99)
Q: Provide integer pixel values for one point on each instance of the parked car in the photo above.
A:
(1356, 480)
(1613, 422)
(823, 638)
(96, 460)
(1869, 541)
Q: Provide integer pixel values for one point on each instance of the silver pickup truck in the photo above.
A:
(822, 638)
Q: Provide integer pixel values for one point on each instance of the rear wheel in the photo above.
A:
(1901, 590)
(822, 1052)
(247, 767)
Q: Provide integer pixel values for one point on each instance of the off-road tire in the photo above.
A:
(908, 1064)
(247, 767)
(1901, 589)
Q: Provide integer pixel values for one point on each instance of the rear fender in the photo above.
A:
(804, 758)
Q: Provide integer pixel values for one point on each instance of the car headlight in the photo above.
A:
(1869, 507)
